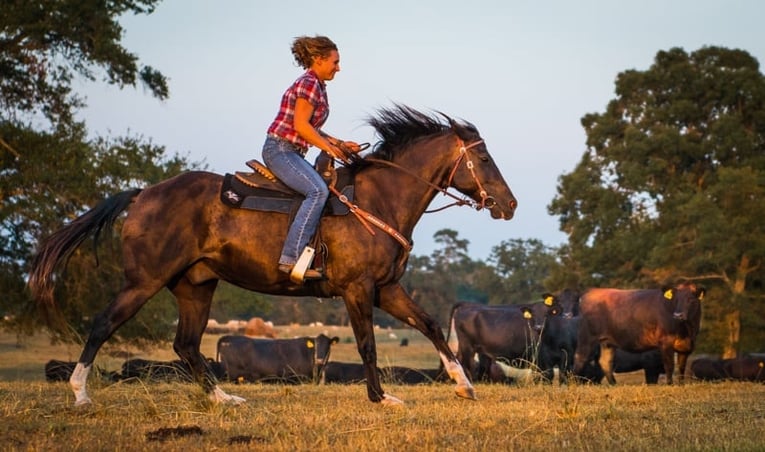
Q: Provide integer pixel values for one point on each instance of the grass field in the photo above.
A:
(37, 415)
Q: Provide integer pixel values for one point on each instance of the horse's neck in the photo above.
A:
(403, 197)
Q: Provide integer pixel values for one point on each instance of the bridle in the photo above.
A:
(365, 217)
(487, 201)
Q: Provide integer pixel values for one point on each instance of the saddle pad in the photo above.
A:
(238, 195)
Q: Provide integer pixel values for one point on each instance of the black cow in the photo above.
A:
(56, 370)
(558, 340)
(165, 371)
(340, 372)
(496, 374)
(411, 376)
(283, 360)
(146, 369)
(708, 369)
(650, 362)
(745, 368)
(638, 321)
(499, 332)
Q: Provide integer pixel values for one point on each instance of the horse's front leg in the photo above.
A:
(395, 301)
(358, 302)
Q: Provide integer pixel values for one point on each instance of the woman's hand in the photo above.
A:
(337, 152)
(344, 150)
(351, 146)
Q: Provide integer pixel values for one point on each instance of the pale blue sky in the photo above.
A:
(524, 72)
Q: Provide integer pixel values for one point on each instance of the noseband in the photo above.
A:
(486, 200)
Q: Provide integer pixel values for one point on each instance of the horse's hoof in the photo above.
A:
(220, 396)
(389, 400)
(83, 402)
(466, 392)
(235, 400)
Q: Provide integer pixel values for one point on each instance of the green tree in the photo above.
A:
(45, 45)
(671, 185)
(523, 266)
(50, 171)
(232, 302)
(448, 275)
(43, 190)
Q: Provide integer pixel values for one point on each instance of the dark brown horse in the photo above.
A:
(179, 235)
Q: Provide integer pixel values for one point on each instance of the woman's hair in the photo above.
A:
(306, 49)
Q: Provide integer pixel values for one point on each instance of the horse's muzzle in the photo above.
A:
(507, 213)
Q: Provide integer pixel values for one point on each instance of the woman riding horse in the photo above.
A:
(179, 235)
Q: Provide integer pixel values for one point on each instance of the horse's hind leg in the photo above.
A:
(395, 301)
(121, 309)
(194, 303)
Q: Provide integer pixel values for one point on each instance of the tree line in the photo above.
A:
(670, 186)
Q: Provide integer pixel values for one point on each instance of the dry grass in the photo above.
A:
(39, 416)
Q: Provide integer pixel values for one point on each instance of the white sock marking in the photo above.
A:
(78, 381)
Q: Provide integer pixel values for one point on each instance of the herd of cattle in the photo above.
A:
(245, 359)
(588, 336)
(593, 335)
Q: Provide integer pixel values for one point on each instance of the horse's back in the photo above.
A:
(194, 187)
(187, 184)
(177, 202)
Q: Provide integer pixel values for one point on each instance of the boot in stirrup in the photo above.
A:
(301, 271)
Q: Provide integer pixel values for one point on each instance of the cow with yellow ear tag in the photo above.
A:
(505, 333)
(275, 360)
(558, 340)
(666, 319)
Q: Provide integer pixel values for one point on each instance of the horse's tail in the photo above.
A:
(55, 250)
(451, 321)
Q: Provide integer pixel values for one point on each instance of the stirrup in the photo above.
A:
(300, 270)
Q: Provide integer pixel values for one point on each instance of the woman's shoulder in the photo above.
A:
(307, 83)
(307, 78)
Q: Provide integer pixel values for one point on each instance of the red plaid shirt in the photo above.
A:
(309, 87)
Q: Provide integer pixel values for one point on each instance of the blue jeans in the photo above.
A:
(283, 159)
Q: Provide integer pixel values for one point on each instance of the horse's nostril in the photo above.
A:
(513, 204)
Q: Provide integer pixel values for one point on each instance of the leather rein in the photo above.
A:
(365, 217)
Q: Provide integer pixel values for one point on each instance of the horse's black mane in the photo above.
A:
(400, 125)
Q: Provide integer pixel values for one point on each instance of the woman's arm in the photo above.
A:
(303, 112)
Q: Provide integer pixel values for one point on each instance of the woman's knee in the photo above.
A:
(320, 192)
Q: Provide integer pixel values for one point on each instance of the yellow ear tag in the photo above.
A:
(526, 315)
(309, 343)
(701, 296)
(668, 294)
(549, 301)
(761, 364)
